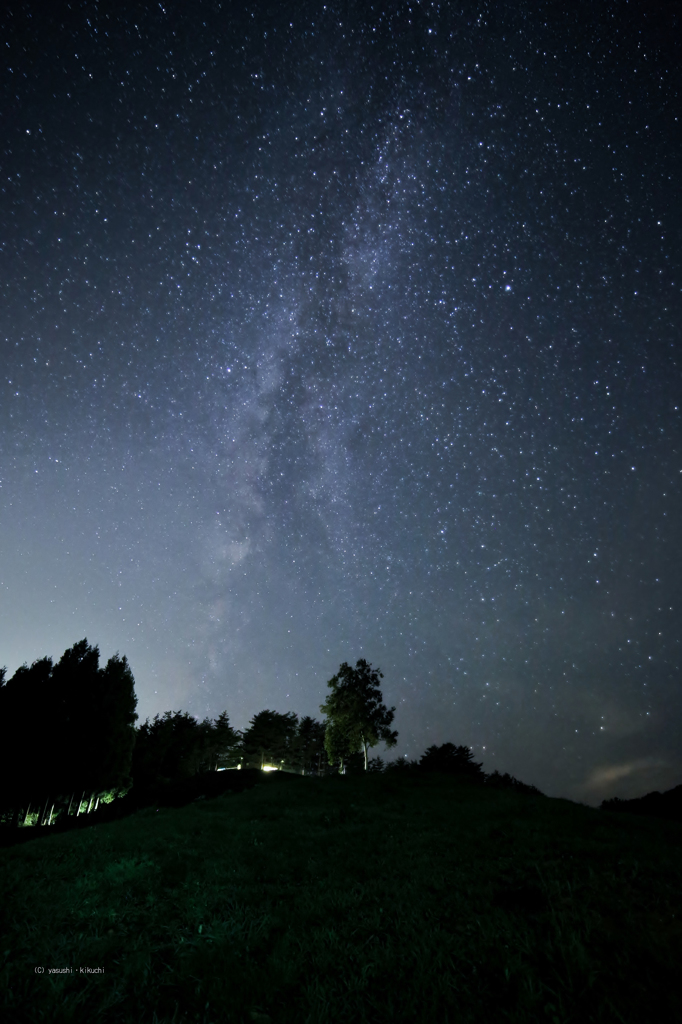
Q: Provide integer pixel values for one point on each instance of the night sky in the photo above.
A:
(353, 331)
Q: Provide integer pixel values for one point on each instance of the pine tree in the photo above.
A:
(225, 743)
(79, 722)
(29, 728)
(309, 745)
(271, 739)
(169, 749)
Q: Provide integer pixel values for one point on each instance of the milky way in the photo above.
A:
(353, 333)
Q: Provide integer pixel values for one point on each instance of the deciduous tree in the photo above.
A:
(356, 717)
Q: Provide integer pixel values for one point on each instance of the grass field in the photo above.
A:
(348, 899)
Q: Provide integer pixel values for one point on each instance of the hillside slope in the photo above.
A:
(363, 899)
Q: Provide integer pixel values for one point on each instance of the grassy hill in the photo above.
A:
(374, 898)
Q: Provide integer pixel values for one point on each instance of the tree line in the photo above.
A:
(66, 733)
(68, 738)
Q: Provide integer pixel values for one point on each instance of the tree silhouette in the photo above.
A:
(225, 743)
(309, 744)
(271, 739)
(117, 725)
(173, 747)
(357, 718)
(453, 760)
(169, 749)
(95, 723)
(79, 720)
(97, 717)
(28, 729)
(507, 781)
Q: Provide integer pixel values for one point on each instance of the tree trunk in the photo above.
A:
(49, 820)
(41, 819)
(70, 805)
(28, 811)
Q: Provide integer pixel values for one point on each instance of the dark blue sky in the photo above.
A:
(351, 330)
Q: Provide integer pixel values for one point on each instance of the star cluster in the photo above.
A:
(343, 331)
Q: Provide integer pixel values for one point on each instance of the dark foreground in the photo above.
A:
(348, 899)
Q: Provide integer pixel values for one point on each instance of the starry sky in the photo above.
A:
(350, 330)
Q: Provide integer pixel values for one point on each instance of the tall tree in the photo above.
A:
(340, 743)
(225, 744)
(79, 722)
(357, 719)
(97, 715)
(310, 749)
(116, 727)
(271, 739)
(27, 731)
